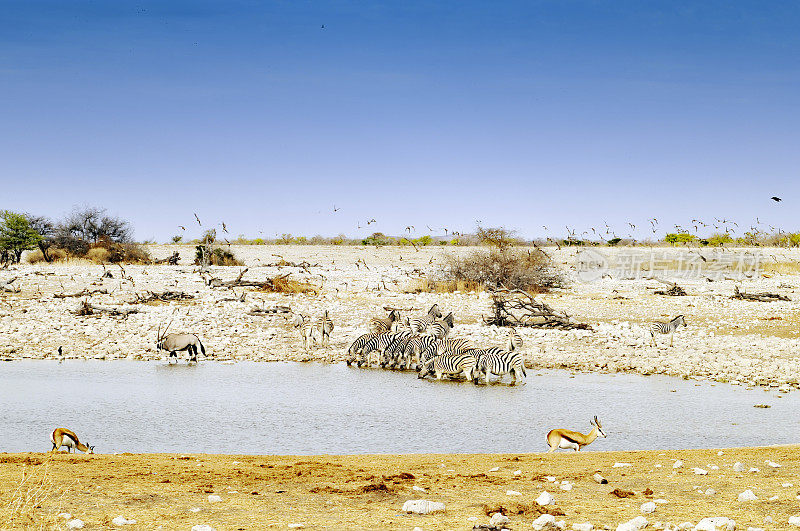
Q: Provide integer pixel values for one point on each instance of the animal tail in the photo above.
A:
(202, 348)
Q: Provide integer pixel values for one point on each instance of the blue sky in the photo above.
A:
(523, 114)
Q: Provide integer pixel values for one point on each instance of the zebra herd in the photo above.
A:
(422, 343)
(313, 330)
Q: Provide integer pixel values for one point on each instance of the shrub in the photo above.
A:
(54, 255)
(177, 238)
(377, 238)
(16, 234)
(426, 285)
(217, 257)
(284, 284)
(99, 255)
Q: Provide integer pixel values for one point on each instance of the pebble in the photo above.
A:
(75, 523)
(794, 520)
(620, 465)
(499, 519)
(710, 492)
(582, 527)
(640, 522)
(739, 467)
(121, 520)
(513, 493)
(545, 498)
(700, 471)
(422, 506)
(716, 523)
(213, 498)
(544, 522)
(65, 516)
(418, 488)
(202, 527)
(677, 464)
(747, 496)
(648, 507)
(495, 469)
(296, 526)
(773, 464)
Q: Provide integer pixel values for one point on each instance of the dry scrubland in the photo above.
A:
(749, 343)
(368, 491)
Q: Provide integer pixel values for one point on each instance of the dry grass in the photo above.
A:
(781, 268)
(284, 284)
(34, 489)
(56, 255)
(426, 285)
(98, 255)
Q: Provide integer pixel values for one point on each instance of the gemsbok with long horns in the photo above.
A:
(64, 437)
(174, 343)
(568, 439)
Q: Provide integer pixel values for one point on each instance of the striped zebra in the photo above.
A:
(324, 327)
(379, 342)
(498, 362)
(514, 340)
(379, 325)
(666, 328)
(398, 354)
(355, 347)
(419, 324)
(440, 327)
(430, 347)
(452, 364)
(308, 332)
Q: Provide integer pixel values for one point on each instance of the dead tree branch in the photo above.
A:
(90, 309)
(518, 308)
(758, 297)
(83, 293)
(164, 296)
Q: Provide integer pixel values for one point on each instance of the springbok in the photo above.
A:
(174, 343)
(64, 437)
(567, 439)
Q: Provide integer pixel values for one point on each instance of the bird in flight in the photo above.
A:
(370, 222)
(334, 206)
(224, 228)
(198, 219)
(410, 227)
(322, 27)
(776, 199)
(181, 227)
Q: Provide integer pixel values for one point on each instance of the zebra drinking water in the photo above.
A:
(451, 364)
(666, 328)
(499, 362)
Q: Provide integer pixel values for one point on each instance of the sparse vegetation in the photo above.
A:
(284, 284)
(16, 234)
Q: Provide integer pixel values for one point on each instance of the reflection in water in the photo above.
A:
(293, 408)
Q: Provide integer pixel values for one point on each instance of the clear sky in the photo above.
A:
(524, 114)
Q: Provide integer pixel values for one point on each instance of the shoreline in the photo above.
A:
(367, 491)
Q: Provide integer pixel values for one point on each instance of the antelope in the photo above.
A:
(64, 437)
(566, 439)
(173, 343)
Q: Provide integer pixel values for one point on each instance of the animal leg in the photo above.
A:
(670, 338)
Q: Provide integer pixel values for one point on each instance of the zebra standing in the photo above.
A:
(324, 327)
(440, 327)
(308, 331)
(514, 340)
(419, 324)
(499, 362)
(666, 328)
(452, 364)
(379, 325)
(378, 342)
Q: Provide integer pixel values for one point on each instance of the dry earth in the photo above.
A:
(165, 491)
(752, 343)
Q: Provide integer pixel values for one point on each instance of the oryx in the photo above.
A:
(173, 343)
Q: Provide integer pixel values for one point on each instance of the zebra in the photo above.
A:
(514, 340)
(440, 327)
(378, 342)
(666, 328)
(419, 324)
(355, 347)
(379, 325)
(451, 363)
(499, 362)
(325, 326)
(308, 332)
(397, 354)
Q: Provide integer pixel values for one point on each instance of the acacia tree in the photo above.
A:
(16, 234)
(45, 228)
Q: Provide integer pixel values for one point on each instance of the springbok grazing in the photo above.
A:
(64, 437)
(666, 328)
(174, 343)
(567, 439)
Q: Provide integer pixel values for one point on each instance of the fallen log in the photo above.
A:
(90, 309)
(674, 290)
(519, 308)
(275, 310)
(83, 293)
(164, 296)
(758, 297)
(5, 285)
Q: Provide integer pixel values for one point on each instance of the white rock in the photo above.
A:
(121, 520)
(773, 464)
(418, 488)
(417, 529)
(720, 452)
(747, 496)
(648, 507)
(296, 526)
(551, 479)
(544, 522)
(661, 500)
(495, 469)
(754, 469)
(422, 506)
(717, 523)
(710, 492)
(566, 485)
(472, 519)
(582, 527)
(794, 520)
(499, 519)
(545, 498)
(677, 464)
(738, 467)
(202, 527)
(75, 523)
(517, 472)
(755, 529)
(700, 471)
(213, 498)
(65, 516)
(513, 493)
(640, 522)
(620, 465)
(787, 484)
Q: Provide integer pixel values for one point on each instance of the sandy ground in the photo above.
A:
(164, 491)
(748, 343)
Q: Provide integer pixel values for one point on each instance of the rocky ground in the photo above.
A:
(757, 488)
(742, 342)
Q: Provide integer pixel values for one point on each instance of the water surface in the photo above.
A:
(296, 408)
